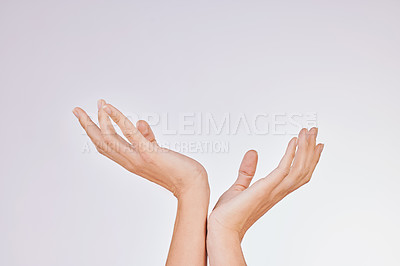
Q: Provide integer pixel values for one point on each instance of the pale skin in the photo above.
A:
(183, 176)
(236, 210)
(242, 205)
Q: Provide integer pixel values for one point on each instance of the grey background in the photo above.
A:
(339, 59)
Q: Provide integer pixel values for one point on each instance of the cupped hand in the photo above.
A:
(242, 205)
(140, 153)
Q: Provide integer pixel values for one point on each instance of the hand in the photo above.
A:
(241, 206)
(142, 155)
(183, 176)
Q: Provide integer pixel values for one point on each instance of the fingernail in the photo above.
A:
(322, 148)
(107, 109)
(314, 131)
(99, 104)
(75, 113)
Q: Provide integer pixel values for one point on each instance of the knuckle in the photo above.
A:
(239, 187)
(305, 171)
(292, 183)
(131, 168)
(283, 170)
(301, 171)
(147, 157)
(129, 134)
(117, 119)
(107, 139)
(283, 193)
(304, 181)
(245, 173)
(100, 150)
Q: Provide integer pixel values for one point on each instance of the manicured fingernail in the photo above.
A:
(322, 148)
(107, 109)
(75, 113)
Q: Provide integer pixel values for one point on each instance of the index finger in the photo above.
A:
(92, 130)
(127, 127)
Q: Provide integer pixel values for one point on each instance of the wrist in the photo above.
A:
(222, 238)
(224, 246)
(198, 190)
(217, 227)
(217, 231)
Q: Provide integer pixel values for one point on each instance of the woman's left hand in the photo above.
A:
(242, 205)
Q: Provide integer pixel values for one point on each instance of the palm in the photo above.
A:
(242, 205)
(141, 154)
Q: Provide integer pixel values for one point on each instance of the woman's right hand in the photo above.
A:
(142, 155)
(183, 176)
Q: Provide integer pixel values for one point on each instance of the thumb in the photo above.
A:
(145, 129)
(247, 170)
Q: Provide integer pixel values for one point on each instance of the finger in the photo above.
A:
(104, 120)
(94, 133)
(128, 129)
(316, 156)
(297, 171)
(92, 130)
(247, 170)
(287, 159)
(110, 136)
(278, 175)
(312, 137)
(146, 131)
(270, 185)
(301, 154)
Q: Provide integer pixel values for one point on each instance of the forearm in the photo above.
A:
(188, 245)
(223, 247)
